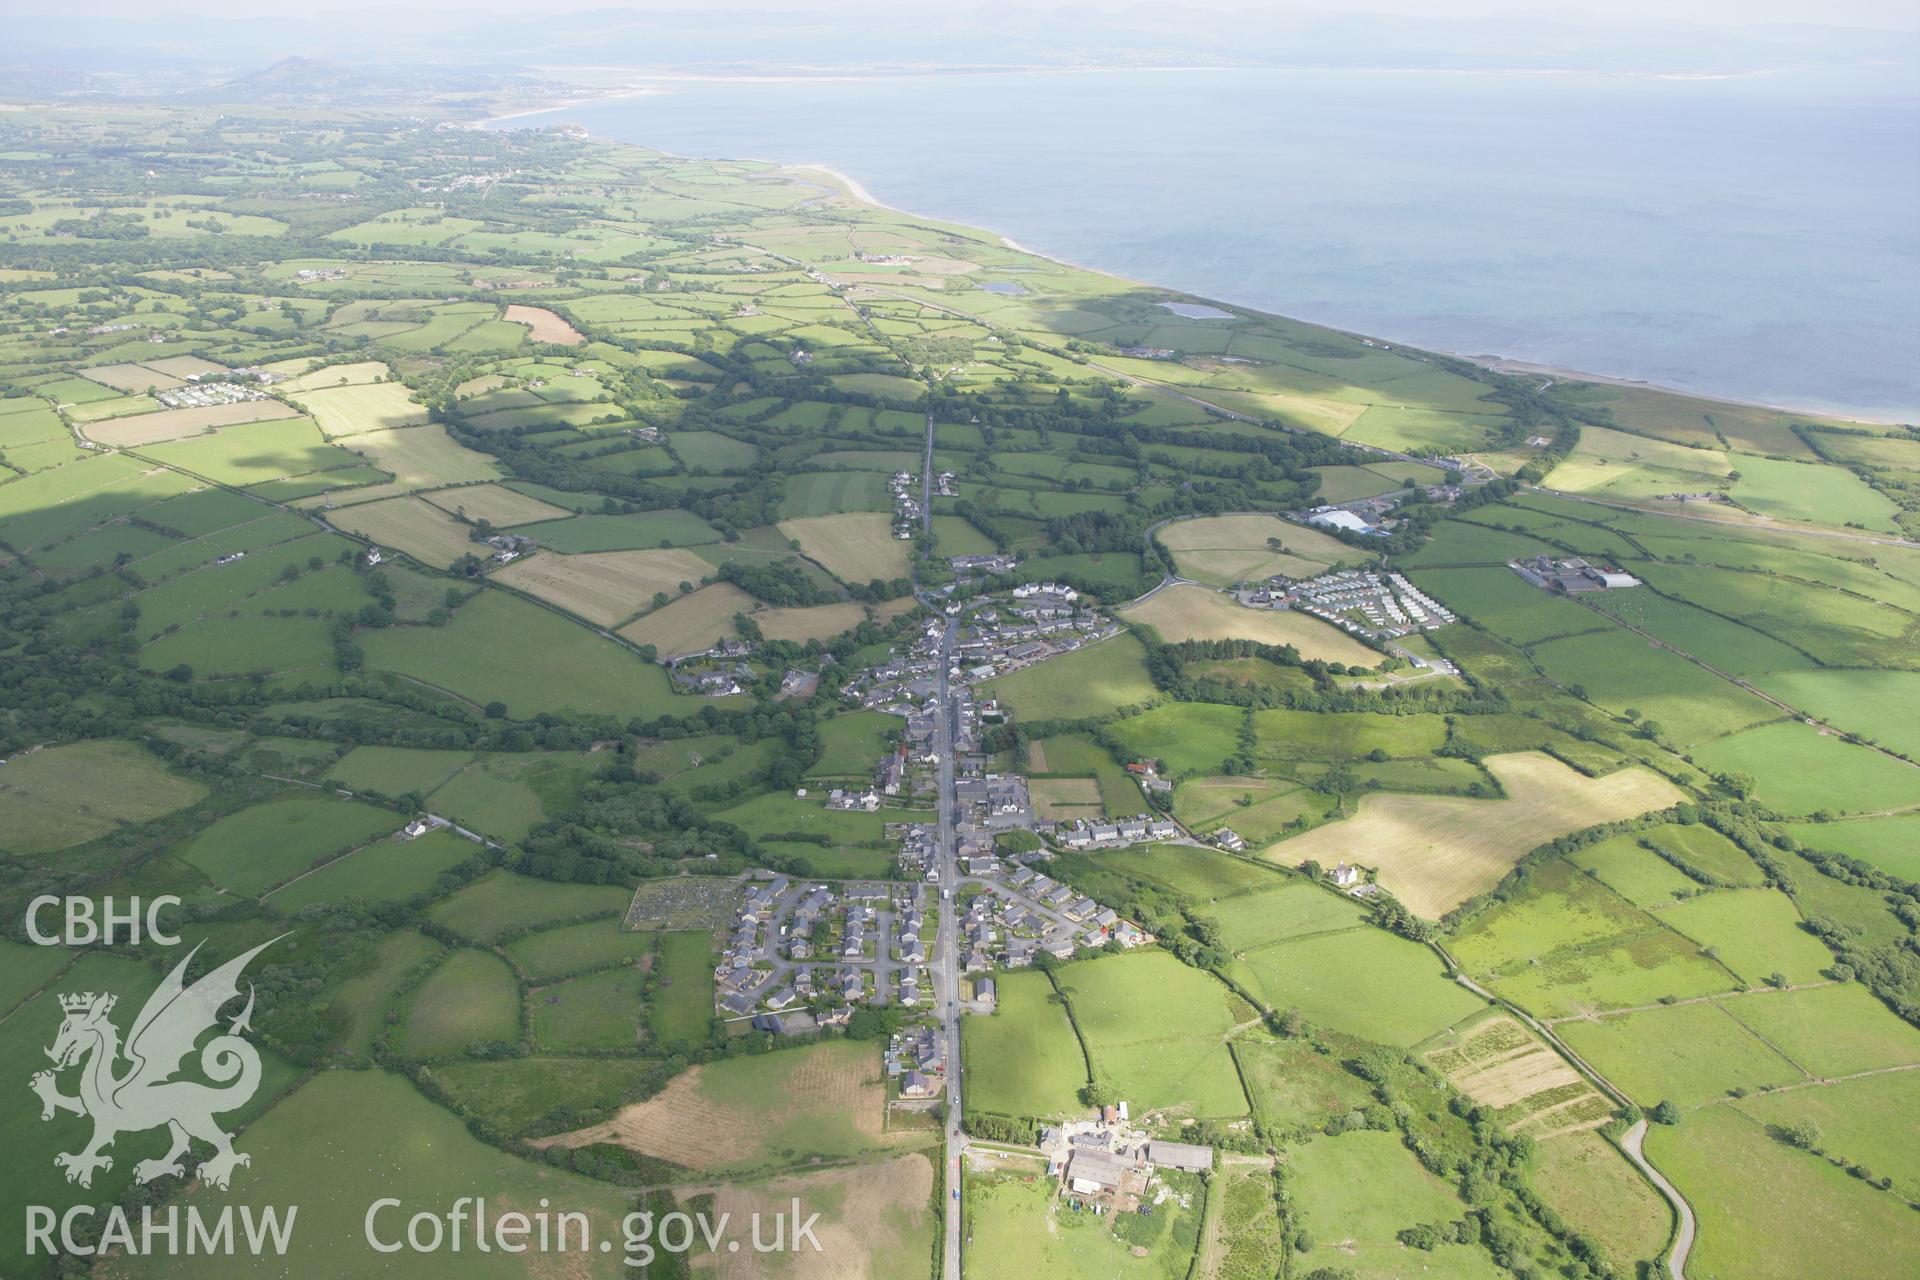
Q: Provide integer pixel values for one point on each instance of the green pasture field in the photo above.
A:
(669, 527)
(1274, 806)
(66, 795)
(819, 493)
(1634, 872)
(1754, 932)
(852, 743)
(368, 1134)
(386, 871)
(1873, 704)
(1799, 770)
(1744, 1183)
(579, 948)
(1294, 910)
(1690, 1053)
(1309, 735)
(1842, 629)
(1088, 682)
(362, 999)
(251, 851)
(518, 1094)
(1153, 1027)
(1499, 600)
(683, 988)
(1257, 673)
(1852, 1119)
(245, 646)
(1362, 982)
(1620, 671)
(503, 901)
(250, 453)
(778, 813)
(598, 1011)
(1590, 1184)
(1294, 1086)
(1725, 644)
(504, 795)
(1354, 1193)
(1892, 843)
(27, 969)
(1564, 943)
(1198, 873)
(1830, 1031)
(1078, 755)
(1186, 737)
(480, 656)
(1472, 543)
(1704, 849)
(1808, 491)
(1023, 1059)
(471, 996)
(394, 771)
(956, 536)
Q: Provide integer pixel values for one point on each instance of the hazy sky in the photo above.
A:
(1902, 14)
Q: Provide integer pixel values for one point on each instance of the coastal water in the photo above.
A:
(1752, 237)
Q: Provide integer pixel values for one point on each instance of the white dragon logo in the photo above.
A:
(146, 1095)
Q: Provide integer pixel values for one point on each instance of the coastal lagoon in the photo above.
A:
(1750, 237)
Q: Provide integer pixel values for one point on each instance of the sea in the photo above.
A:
(1753, 236)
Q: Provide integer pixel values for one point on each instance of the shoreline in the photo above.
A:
(1494, 363)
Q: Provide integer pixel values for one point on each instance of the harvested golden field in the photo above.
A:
(823, 1100)
(1435, 852)
(876, 1222)
(544, 326)
(1199, 613)
(358, 409)
(604, 587)
(856, 546)
(1224, 550)
(496, 504)
(814, 622)
(176, 424)
(420, 529)
(691, 623)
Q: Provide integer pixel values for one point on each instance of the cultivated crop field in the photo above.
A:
(1435, 852)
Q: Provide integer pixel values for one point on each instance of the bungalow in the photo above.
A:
(914, 1084)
